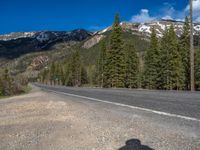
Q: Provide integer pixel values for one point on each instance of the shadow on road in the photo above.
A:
(135, 144)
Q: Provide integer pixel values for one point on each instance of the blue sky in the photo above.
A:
(37, 15)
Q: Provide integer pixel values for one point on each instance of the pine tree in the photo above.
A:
(6, 75)
(115, 64)
(184, 49)
(7, 83)
(84, 77)
(52, 74)
(151, 65)
(44, 76)
(1, 87)
(76, 69)
(197, 69)
(101, 64)
(63, 77)
(171, 68)
(131, 66)
(163, 61)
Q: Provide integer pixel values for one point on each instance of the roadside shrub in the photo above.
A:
(10, 86)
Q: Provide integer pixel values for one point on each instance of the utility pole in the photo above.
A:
(192, 80)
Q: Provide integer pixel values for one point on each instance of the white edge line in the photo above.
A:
(129, 106)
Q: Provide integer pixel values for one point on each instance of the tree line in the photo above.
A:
(70, 73)
(166, 63)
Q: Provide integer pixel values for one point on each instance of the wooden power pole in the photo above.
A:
(192, 80)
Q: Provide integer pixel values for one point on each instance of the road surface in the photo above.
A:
(172, 103)
(51, 118)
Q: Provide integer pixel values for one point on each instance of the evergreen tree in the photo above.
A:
(184, 49)
(171, 68)
(115, 65)
(6, 75)
(101, 64)
(84, 77)
(131, 66)
(163, 61)
(7, 83)
(76, 69)
(1, 87)
(197, 69)
(151, 65)
(63, 77)
(52, 73)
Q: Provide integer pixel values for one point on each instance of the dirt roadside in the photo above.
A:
(45, 121)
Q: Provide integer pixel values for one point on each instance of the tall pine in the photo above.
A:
(197, 69)
(101, 64)
(151, 64)
(115, 57)
(131, 66)
(171, 68)
(52, 73)
(184, 49)
(1, 87)
(76, 69)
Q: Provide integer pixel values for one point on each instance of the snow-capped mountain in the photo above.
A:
(159, 26)
(43, 36)
(15, 44)
(16, 35)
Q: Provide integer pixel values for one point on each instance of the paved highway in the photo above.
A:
(185, 105)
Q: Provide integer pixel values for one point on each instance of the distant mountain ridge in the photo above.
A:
(159, 26)
(17, 44)
(142, 28)
(40, 35)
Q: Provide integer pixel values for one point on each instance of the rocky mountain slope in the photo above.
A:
(159, 26)
(30, 52)
(143, 30)
(16, 35)
(17, 44)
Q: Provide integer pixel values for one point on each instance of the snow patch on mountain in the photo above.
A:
(144, 28)
(105, 30)
(42, 37)
(17, 35)
(197, 27)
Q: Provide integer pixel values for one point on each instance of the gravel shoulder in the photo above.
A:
(46, 121)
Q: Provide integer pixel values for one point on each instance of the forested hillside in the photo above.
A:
(122, 59)
(124, 55)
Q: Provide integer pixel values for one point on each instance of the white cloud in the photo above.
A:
(197, 19)
(168, 11)
(142, 17)
(196, 6)
(196, 9)
(167, 17)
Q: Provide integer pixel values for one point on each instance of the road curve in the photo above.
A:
(180, 103)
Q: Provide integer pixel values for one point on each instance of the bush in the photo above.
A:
(10, 86)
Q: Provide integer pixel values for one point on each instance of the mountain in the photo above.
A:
(159, 26)
(16, 44)
(30, 52)
(16, 35)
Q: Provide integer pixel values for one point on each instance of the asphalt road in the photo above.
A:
(186, 104)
